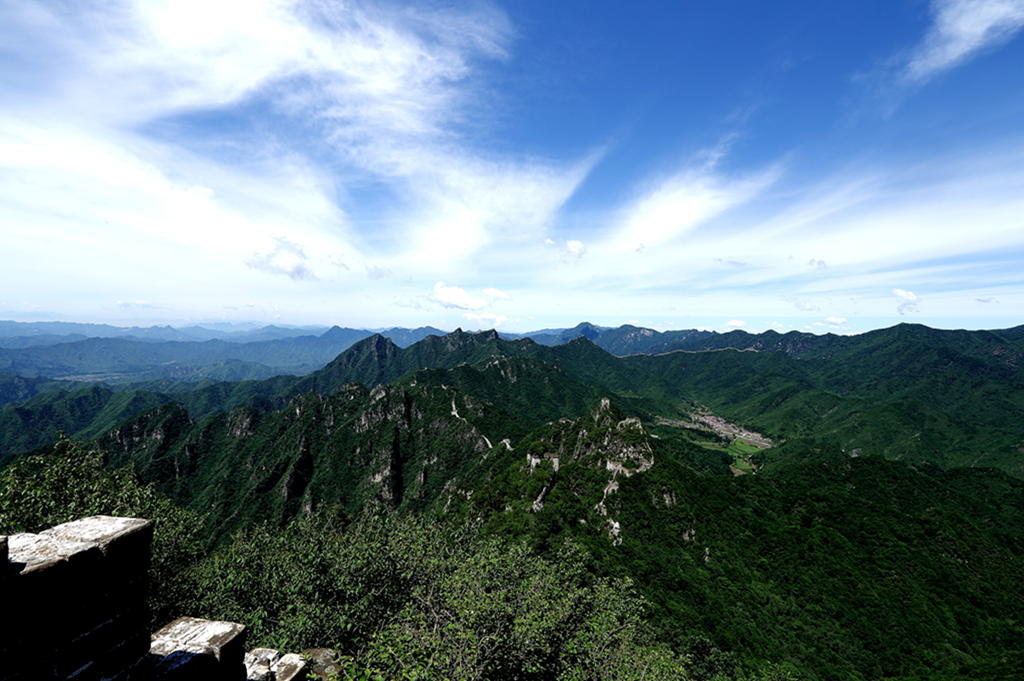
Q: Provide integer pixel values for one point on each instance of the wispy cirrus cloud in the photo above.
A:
(960, 30)
(351, 92)
(682, 203)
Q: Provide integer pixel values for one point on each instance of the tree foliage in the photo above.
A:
(409, 597)
(70, 481)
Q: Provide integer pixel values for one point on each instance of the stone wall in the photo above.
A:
(76, 594)
(73, 600)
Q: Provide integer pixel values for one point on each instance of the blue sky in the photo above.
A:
(830, 166)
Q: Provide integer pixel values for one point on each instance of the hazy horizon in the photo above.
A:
(251, 325)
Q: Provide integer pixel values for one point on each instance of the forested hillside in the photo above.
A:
(846, 510)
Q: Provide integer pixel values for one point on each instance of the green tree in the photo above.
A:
(70, 481)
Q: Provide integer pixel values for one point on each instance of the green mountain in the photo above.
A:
(824, 507)
(393, 445)
(14, 388)
(853, 568)
(907, 393)
(12, 329)
(83, 414)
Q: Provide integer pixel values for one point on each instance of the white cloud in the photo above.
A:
(495, 293)
(285, 258)
(960, 29)
(456, 297)
(489, 319)
(368, 68)
(835, 321)
(680, 204)
(377, 273)
(138, 305)
(101, 189)
(909, 298)
(575, 249)
(735, 323)
(804, 305)
(103, 207)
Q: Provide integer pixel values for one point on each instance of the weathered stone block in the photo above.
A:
(37, 553)
(117, 628)
(51, 570)
(198, 649)
(267, 664)
(259, 663)
(116, 643)
(183, 665)
(290, 667)
(5, 598)
(119, 584)
(124, 542)
(110, 533)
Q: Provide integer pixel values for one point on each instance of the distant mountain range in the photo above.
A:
(116, 355)
(77, 330)
(909, 392)
(164, 353)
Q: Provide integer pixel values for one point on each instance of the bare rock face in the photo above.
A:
(605, 439)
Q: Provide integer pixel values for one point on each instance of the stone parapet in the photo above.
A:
(74, 609)
(76, 597)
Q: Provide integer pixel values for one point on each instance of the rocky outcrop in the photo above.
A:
(566, 453)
